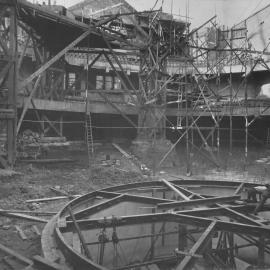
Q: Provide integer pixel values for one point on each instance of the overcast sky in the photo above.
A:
(229, 11)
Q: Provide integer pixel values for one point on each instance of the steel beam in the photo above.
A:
(171, 217)
(198, 202)
(118, 197)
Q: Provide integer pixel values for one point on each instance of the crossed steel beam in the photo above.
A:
(180, 212)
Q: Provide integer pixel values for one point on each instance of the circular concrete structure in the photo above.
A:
(181, 224)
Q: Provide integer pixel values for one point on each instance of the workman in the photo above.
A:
(253, 191)
(265, 195)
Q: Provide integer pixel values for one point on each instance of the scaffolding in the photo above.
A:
(207, 88)
(8, 81)
(190, 71)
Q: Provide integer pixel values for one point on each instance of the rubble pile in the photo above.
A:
(32, 145)
(28, 144)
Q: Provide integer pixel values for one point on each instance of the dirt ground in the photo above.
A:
(35, 180)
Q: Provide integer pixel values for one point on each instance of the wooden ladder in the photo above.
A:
(89, 136)
(268, 137)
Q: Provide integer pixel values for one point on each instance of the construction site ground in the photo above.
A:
(109, 167)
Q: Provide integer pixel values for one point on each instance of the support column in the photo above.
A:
(8, 111)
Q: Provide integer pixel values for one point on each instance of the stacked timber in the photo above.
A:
(28, 144)
(32, 145)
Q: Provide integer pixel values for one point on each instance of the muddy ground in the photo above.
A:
(35, 180)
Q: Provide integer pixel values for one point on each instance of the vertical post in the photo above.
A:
(246, 105)
(187, 127)
(12, 85)
(230, 236)
(164, 227)
(42, 124)
(218, 135)
(182, 237)
(61, 125)
(246, 138)
(152, 250)
(261, 257)
(231, 116)
(231, 100)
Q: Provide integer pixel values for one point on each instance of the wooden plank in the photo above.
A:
(178, 192)
(198, 247)
(239, 188)
(15, 255)
(198, 256)
(51, 198)
(36, 230)
(51, 160)
(122, 151)
(35, 213)
(23, 216)
(21, 232)
(83, 242)
(198, 202)
(52, 125)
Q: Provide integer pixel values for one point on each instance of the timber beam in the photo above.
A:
(177, 191)
(198, 247)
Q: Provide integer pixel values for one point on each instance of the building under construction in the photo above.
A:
(101, 71)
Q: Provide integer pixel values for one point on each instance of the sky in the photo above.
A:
(229, 12)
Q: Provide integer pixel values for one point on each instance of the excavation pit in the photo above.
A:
(181, 224)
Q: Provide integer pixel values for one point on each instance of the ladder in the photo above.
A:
(268, 137)
(89, 136)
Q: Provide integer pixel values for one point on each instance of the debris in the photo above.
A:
(32, 145)
(36, 230)
(7, 262)
(43, 263)
(21, 233)
(8, 173)
(122, 170)
(57, 190)
(15, 255)
(123, 152)
(130, 158)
